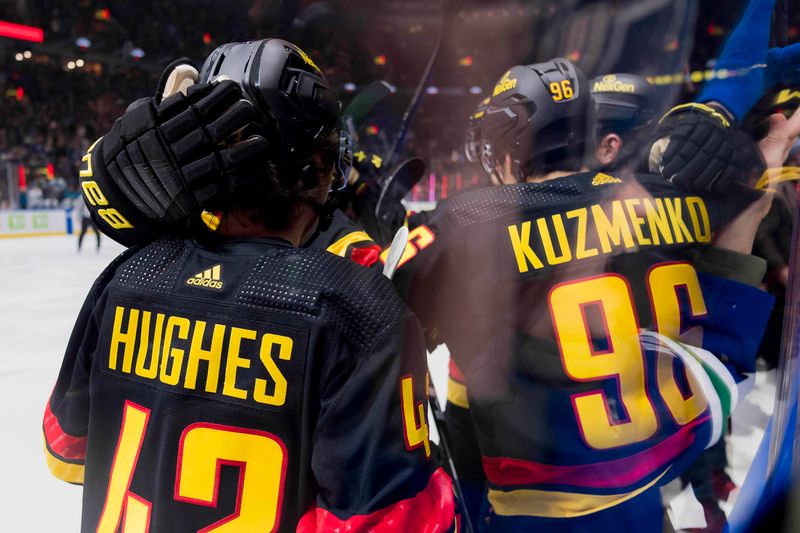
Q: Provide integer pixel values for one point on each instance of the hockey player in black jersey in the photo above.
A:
(626, 109)
(236, 381)
(563, 267)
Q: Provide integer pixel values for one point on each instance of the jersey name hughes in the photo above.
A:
(195, 355)
(613, 227)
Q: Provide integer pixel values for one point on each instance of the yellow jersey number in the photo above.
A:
(261, 457)
(609, 296)
(561, 91)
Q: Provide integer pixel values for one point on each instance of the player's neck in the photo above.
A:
(239, 223)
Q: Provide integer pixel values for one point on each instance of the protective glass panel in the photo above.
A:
(604, 273)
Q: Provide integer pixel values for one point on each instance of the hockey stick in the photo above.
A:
(413, 105)
(364, 103)
(396, 251)
(440, 423)
(396, 186)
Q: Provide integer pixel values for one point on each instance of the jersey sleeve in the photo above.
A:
(737, 310)
(372, 458)
(66, 416)
(431, 276)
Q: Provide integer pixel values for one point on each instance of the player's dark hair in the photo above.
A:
(273, 197)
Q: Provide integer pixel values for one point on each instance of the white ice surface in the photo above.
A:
(43, 282)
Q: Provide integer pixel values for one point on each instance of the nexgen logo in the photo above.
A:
(210, 278)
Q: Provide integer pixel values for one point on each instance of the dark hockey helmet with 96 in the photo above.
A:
(624, 103)
(540, 114)
(294, 103)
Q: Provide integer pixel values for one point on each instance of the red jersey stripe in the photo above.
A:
(617, 473)
(455, 372)
(432, 510)
(62, 444)
(367, 255)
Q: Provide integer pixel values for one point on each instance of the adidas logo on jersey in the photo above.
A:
(604, 179)
(209, 278)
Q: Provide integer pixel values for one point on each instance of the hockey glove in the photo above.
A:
(164, 161)
(783, 66)
(699, 150)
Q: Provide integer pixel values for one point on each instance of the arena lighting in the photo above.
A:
(19, 56)
(19, 94)
(83, 43)
(465, 61)
(27, 54)
(380, 60)
(21, 32)
(372, 129)
(102, 14)
(79, 63)
(432, 90)
(474, 90)
(71, 65)
(349, 87)
(206, 38)
(137, 53)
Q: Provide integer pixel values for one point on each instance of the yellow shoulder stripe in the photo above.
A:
(340, 247)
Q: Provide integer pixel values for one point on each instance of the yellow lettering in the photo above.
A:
(234, 362)
(520, 243)
(636, 220)
(171, 376)
(547, 243)
(699, 215)
(581, 251)
(679, 227)
(278, 396)
(93, 193)
(212, 356)
(614, 231)
(150, 371)
(126, 338)
(657, 218)
(114, 219)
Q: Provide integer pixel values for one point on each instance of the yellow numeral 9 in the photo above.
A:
(610, 296)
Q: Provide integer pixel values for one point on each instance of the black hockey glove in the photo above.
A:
(698, 149)
(163, 162)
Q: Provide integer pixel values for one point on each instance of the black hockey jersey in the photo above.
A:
(346, 239)
(246, 386)
(540, 292)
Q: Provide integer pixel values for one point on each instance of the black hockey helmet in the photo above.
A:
(623, 103)
(294, 103)
(472, 140)
(540, 114)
